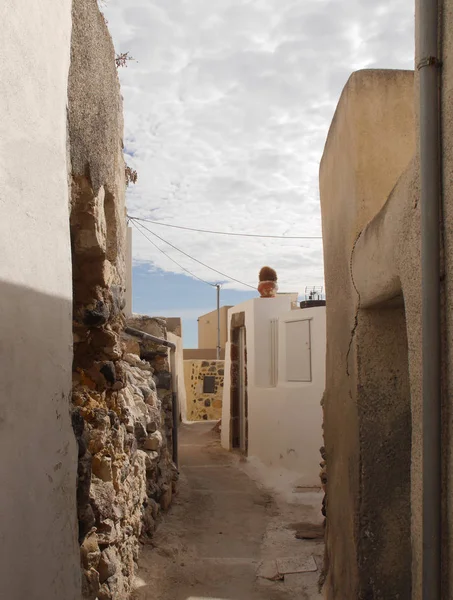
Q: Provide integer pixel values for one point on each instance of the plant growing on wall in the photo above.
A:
(131, 175)
(122, 59)
(267, 286)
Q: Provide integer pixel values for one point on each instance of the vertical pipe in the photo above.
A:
(175, 405)
(218, 321)
(175, 428)
(430, 241)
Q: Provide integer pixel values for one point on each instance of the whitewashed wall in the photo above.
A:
(39, 555)
(285, 420)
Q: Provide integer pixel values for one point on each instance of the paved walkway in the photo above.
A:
(223, 536)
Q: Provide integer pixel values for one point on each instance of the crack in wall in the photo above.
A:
(356, 316)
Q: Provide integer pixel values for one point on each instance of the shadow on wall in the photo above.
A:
(37, 445)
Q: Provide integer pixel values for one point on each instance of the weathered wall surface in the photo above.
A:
(447, 187)
(38, 545)
(200, 406)
(386, 269)
(158, 356)
(367, 411)
(121, 388)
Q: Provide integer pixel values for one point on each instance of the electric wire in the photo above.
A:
(168, 256)
(196, 259)
(252, 235)
(132, 219)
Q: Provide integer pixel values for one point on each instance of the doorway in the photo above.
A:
(239, 396)
(242, 393)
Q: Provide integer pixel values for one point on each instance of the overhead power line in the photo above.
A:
(251, 235)
(168, 256)
(132, 219)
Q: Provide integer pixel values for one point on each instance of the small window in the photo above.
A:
(209, 385)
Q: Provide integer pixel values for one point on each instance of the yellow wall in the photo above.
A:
(203, 407)
(203, 354)
(207, 328)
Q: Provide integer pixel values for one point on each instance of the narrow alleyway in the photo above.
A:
(224, 536)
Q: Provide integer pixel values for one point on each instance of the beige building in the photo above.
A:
(203, 373)
(204, 389)
(208, 337)
(207, 329)
(371, 200)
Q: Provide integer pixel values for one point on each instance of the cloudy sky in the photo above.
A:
(226, 114)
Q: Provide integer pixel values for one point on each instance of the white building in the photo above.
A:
(274, 382)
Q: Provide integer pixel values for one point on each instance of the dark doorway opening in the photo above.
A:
(239, 397)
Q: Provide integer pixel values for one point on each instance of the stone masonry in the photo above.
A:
(202, 405)
(121, 389)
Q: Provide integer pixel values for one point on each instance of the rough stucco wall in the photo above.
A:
(38, 545)
(386, 268)
(95, 114)
(447, 183)
(370, 143)
(200, 406)
(392, 240)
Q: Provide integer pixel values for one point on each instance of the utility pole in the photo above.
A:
(218, 320)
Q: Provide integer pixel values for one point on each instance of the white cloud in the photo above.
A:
(226, 115)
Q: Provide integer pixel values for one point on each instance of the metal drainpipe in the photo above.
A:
(430, 192)
(174, 397)
(218, 322)
(175, 405)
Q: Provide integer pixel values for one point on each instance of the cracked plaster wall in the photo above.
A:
(366, 404)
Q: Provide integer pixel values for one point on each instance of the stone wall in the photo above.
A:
(158, 356)
(203, 406)
(121, 388)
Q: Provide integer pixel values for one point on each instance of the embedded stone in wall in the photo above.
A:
(158, 355)
(122, 442)
(119, 418)
(204, 389)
